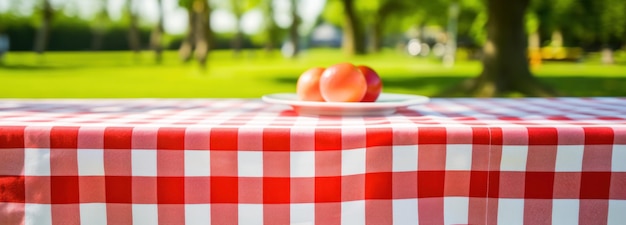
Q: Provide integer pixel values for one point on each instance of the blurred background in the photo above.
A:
(248, 48)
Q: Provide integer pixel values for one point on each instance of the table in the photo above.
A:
(227, 161)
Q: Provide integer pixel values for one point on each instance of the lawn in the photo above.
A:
(253, 74)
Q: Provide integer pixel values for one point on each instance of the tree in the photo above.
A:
(101, 18)
(271, 29)
(239, 8)
(134, 42)
(157, 34)
(353, 36)
(41, 40)
(505, 60)
(294, 34)
(199, 35)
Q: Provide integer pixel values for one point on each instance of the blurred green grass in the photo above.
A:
(255, 73)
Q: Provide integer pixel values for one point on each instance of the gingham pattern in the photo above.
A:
(229, 161)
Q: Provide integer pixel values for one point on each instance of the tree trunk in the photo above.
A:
(377, 33)
(43, 33)
(353, 42)
(99, 28)
(186, 47)
(270, 27)
(294, 34)
(202, 31)
(505, 59)
(237, 41)
(157, 34)
(133, 32)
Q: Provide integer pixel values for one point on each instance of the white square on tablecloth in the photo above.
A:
(302, 164)
(404, 158)
(90, 162)
(569, 158)
(353, 213)
(144, 162)
(458, 157)
(145, 214)
(565, 211)
(37, 162)
(618, 158)
(250, 213)
(455, 210)
(513, 158)
(405, 211)
(302, 213)
(37, 214)
(93, 213)
(617, 212)
(511, 211)
(353, 161)
(250, 163)
(197, 214)
(197, 163)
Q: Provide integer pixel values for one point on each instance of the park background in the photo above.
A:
(248, 48)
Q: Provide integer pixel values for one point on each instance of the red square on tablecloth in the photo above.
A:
(224, 138)
(250, 190)
(353, 187)
(457, 183)
(302, 190)
(118, 137)
(539, 185)
(567, 185)
(171, 138)
(276, 139)
(543, 136)
(171, 190)
(328, 139)
(224, 189)
(63, 162)
(64, 137)
(618, 186)
(379, 137)
(92, 189)
(64, 189)
(478, 184)
(327, 189)
(511, 184)
(378, 185)
(37, 189)
(378, 159)
(595, 185)
(432, 135)
(12, 137)
(197, 190)
(481, 136)
(119, 189)
(430, 183)
(276, 163)
(276, 190)
(144, 190)
(11, 161)
(37, 137)
(404, 185)
(598, 136)
(12, 189)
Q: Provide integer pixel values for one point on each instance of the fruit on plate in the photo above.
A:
(343, 82)
(374, 84)
(308, 86)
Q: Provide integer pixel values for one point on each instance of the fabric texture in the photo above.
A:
(243, 161)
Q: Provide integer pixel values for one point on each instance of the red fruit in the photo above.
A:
(374, 84)
(308, 86)
(343, 82)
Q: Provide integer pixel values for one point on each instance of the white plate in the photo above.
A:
(386, 104)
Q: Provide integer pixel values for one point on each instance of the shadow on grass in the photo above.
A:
(35, 67)
(568, 86)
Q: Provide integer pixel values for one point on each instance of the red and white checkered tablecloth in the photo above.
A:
(229, 161)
